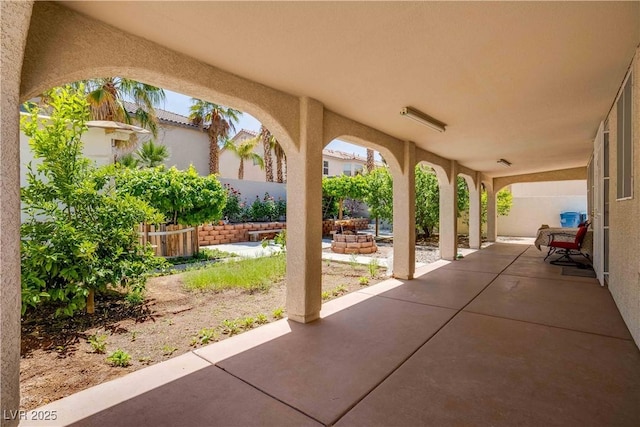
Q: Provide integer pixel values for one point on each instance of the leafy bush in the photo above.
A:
(264, 210)
(134, 297)
(78, 237)
(98, 343)
(230, 327)
(278, 313)
(119, 358)
(233, 209)
(281, 208)
(183, 197)
(339, 188)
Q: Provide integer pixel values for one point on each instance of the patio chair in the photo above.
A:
(567, 244)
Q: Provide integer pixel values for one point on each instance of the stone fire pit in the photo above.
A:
(350, 243)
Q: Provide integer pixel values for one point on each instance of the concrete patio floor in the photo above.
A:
(497, 338)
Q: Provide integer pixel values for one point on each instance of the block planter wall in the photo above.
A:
(353, 244)
(233, 233)
(357, 223)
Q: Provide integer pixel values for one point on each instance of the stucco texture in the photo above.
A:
(624, 258)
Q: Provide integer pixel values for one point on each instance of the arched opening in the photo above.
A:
(118, 323)
(357, 216)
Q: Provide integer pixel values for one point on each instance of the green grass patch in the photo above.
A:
(205, 254)
(252, 274)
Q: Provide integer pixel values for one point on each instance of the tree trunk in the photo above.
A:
(279, 177)
(214, 155)
(241, 169)
(377, 226)
(268, 158)
(91, 303)
(340, 209)
(370, 160)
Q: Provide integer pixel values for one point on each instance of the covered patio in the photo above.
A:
(498, 338)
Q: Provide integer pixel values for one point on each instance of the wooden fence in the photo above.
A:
(170, 240)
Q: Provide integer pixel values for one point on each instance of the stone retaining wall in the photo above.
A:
(233, 233)
(353, 244)
(357, 223)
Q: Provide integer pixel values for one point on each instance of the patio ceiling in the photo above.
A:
(528, 82)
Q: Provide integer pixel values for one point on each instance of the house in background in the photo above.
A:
(189, 145)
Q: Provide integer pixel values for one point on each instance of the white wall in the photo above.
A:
(97, 147)
(540, 203)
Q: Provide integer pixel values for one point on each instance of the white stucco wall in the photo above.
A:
(540, 203)
(97, 147)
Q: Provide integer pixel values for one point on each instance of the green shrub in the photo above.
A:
(183, 197)
(119, 358)
(261, 319)
(79, 235)
(135, 298)
(248, 322)
(98, 343)
(374, 266)
(234, 207)
(230, 327)
(278, 313)
(363, 281)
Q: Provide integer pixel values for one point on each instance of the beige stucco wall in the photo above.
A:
(187, 146)
(337, 166)
(624, 258)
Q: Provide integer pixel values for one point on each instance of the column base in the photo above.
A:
(403, 276)
(304, 319)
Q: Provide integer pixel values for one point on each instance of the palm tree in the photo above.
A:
(267, 143)
(151, 155)
(219, 121)
(244, 151)
(370, 160)
(281, 158)
(128, 161)
(106, 97)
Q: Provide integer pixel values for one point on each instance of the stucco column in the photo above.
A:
(15, 18)
(448, 225)
(492, 216)
(404, 216)
(304, 217)
(475, 215)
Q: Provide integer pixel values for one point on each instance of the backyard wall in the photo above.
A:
(538, 203)
(250, 189)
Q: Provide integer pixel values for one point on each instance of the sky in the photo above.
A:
(178, 103)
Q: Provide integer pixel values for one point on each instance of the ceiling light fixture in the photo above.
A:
(423, 118)
(504, 162)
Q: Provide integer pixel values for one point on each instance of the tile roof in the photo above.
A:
(164, 116)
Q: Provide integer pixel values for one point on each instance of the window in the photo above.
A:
(624, 143)
(346, 169)
(325, 168)
(358, 169)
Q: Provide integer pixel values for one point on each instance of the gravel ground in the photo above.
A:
(425, 254)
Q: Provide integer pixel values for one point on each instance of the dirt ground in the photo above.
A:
(58, 361)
